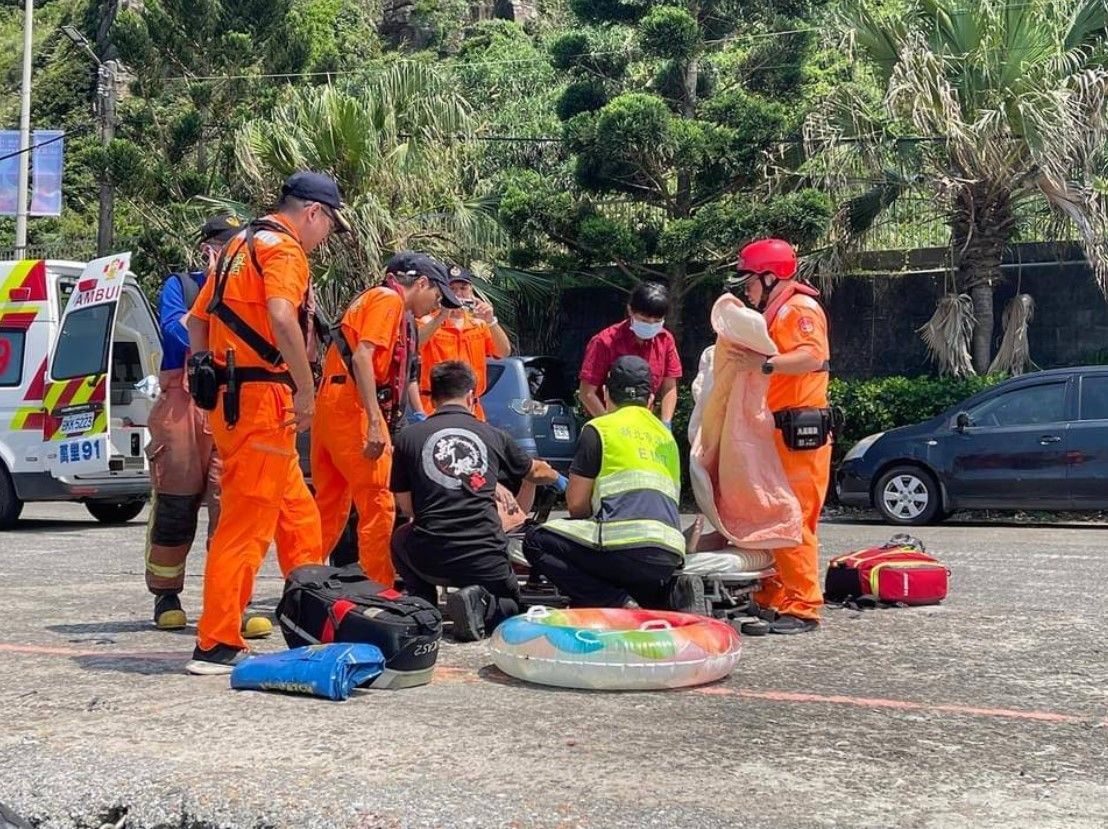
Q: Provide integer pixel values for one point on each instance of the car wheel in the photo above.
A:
(10, 505)
(114, 513)
(908, 495)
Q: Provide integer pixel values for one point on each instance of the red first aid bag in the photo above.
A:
(900, 572)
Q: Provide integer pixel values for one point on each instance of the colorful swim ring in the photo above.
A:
(615, 649)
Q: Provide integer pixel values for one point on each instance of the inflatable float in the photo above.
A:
(615, 649)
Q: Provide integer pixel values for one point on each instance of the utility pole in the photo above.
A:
(107, 73)
(24, 133)
(106, 89)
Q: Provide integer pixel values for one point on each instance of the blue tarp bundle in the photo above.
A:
(331, 671)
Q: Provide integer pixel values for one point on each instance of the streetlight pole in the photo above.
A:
(24, 133)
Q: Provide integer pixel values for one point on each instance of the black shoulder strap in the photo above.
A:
(255, 341)
(330, 332)
(189, 289)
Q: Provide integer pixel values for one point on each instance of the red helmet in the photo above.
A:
(774, 256)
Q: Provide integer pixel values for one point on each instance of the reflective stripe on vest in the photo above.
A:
(614, 535)
(635, 497)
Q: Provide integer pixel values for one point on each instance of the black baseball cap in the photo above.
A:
(411, 263)
(629, 380)
(460, 274)
(221, 228)
(309, 186)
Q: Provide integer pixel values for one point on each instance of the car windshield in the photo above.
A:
(1021, 407)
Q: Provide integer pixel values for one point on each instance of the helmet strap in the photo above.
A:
(768, 282)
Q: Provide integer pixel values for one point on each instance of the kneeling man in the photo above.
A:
(622, 545)
(444, 474)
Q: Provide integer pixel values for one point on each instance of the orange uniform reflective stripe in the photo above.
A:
(285, 275)
(472, 344)
(373, 317)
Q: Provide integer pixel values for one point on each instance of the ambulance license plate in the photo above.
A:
(561, 431)
(76, 424)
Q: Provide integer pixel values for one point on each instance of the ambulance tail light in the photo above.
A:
(19, 295)
(86, 285)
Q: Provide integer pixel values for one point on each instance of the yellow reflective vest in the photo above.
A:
(635, 498)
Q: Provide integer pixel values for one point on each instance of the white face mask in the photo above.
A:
(646, 330)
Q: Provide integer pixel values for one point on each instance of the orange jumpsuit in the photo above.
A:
(795, 591)
(264, 496)
(472, 344)
(340, 471)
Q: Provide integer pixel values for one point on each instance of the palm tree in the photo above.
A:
(391, 141)
(1001, 105)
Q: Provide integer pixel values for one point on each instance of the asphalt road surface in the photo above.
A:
(991, 710)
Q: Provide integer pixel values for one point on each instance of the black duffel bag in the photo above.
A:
(330, 604)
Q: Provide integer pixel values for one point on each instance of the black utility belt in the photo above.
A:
(805, 429)
(206, 377)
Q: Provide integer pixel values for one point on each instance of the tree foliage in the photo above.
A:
(670, 149)
(997, 106)
(390, 141)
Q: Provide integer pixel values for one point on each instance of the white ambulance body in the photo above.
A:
(75, 339)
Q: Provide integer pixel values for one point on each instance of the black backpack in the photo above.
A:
(330, 604)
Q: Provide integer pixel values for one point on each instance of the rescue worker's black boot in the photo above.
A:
(168, 614)
(686, 595)
(789, 625)
(468, 608)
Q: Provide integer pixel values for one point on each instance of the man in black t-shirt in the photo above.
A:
(444, 475)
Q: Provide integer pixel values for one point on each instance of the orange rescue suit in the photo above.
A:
(795, 591)
(264, 496)
(341, 473)
(472, 344)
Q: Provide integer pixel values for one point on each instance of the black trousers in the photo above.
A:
(424, 565)
(601, 578)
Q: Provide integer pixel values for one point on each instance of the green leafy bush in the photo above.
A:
(887, 402)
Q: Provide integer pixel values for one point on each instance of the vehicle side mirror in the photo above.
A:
(963, 421)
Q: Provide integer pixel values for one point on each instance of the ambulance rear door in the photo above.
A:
(77, 401)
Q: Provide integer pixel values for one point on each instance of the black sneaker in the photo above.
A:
(221, 659)
(168, 614)
(466, 609)
(686, 595)
(788, 625)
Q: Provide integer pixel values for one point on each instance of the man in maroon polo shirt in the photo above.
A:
(643, 335)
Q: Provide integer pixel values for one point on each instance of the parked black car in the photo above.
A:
(1039, 441)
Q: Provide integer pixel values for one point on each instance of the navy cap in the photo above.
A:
(629, 379)
(460, 274)
(221, 228)
(309, 186)
(411, 263)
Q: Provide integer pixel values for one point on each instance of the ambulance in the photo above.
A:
(79, 351)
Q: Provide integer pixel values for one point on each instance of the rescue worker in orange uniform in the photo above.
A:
(366, 377)
(797, 397)
(249, 366)
(470, 334)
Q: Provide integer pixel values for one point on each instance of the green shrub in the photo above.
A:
(887, 402)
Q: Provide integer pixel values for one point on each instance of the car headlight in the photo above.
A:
(861, 447)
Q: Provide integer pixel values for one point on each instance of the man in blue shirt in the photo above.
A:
(184, 466)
